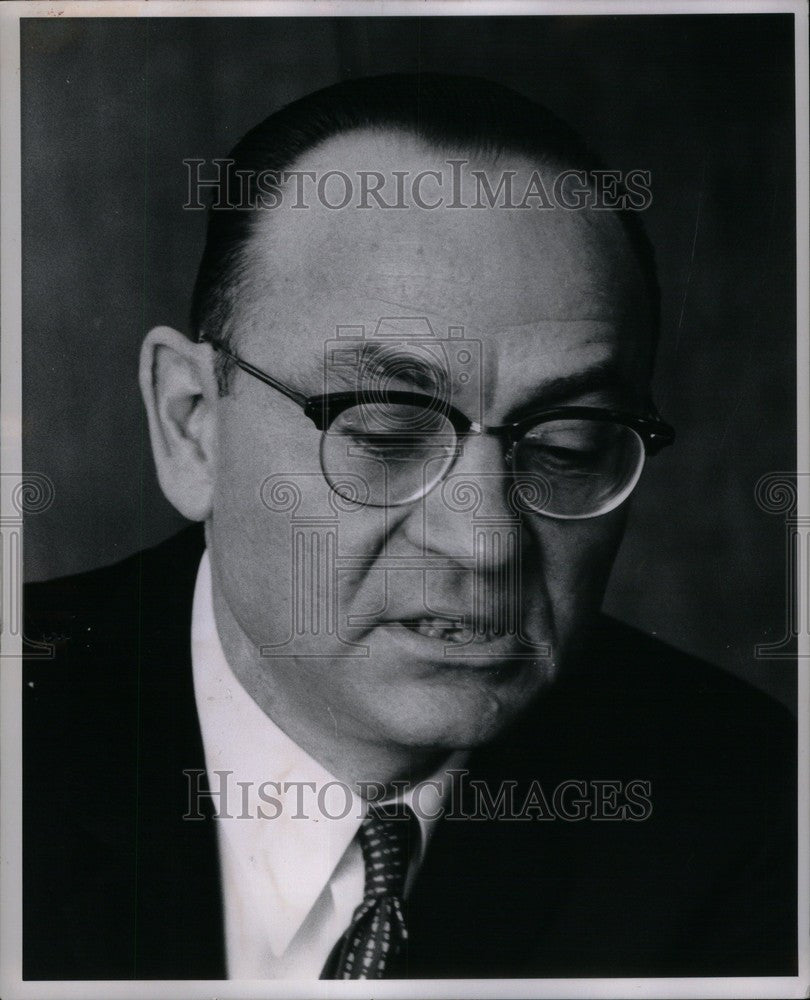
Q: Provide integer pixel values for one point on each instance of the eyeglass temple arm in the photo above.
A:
(655, 432)
(655, 440)
(296, 397)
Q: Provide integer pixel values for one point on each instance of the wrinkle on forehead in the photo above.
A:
(556, 259)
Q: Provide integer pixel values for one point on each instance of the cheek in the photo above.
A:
(576, 558)
(265, 482)
(275, 517)
(268, 463)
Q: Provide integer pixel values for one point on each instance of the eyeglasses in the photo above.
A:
(399, 445)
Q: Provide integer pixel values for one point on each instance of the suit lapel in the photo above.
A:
(492, 896)
(179, 913)
(488, 881)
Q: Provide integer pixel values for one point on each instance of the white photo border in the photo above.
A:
(12, 986)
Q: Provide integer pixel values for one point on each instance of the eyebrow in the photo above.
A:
(603, 377)
(374, 362)
(385, 361)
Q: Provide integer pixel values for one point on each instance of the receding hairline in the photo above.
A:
(344, 152)
(456, 115)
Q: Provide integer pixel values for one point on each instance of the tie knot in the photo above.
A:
(387, 839)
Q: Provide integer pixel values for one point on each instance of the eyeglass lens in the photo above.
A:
(397, 453)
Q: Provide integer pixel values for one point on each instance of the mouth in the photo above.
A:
(459, 631)
(453, 642)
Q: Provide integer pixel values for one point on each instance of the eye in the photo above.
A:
(385, 422)
(562, 460)
(386, 441)
(569, 435)
(568, 454)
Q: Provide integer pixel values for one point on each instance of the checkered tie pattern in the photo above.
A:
(378, 928)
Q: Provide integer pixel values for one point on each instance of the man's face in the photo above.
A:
(542, 296)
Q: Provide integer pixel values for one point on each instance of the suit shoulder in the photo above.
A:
(691, 718)
(106, 598)
(672, 681)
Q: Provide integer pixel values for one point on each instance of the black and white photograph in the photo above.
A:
(405, 499)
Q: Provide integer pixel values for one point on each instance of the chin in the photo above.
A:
(458, 716)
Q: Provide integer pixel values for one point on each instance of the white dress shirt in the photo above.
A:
(292, 871)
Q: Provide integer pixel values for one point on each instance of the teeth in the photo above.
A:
(436, 628)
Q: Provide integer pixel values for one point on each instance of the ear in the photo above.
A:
(180, 393)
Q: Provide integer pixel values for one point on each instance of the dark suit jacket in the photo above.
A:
(117, 885)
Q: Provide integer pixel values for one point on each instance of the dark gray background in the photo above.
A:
(112, 107)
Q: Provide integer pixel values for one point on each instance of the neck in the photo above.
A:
(367, 766)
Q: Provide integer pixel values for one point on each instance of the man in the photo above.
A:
(407, 429)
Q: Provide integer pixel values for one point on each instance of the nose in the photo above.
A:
(468, 515)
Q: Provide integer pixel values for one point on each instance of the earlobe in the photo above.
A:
(180, 394)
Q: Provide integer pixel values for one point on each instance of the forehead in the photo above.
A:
(545, 292)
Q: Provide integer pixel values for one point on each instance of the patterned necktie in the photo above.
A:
(378, 927)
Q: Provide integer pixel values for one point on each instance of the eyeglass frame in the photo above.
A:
(324, 408)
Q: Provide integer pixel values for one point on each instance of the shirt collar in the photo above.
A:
(297, 850)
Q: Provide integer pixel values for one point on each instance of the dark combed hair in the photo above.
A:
(454, 113)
